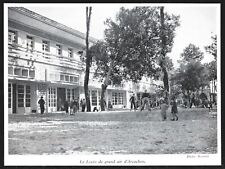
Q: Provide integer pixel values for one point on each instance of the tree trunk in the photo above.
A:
(163, 40)
(103, 101)
(88, 60)
(105, 85)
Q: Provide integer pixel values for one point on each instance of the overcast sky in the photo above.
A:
(198, 21)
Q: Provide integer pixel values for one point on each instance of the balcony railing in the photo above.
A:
(18, 51)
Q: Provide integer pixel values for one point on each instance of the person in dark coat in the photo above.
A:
(174, 110)
(42, 103)
(74, 107)
(132, 102)
(66, 106)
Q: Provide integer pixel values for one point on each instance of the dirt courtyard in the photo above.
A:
(113, 133)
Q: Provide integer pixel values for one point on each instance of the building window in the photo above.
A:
(117, 98)
(68, 94)
(71, 79)
(70, 52)
(76, 79)
(28, 98)
(31, 73)
(24, 94)
(99, 98)
(9, 95)
(94, 97)
(10, 70)
(25, 72)
(73, 94)
(67, 78)
(12, 37)
(17, 71)
(20, 95)
(52, 97)
(30, 43)
(58, 50)
(45, 46)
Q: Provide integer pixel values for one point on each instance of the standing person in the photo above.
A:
(192, 100)
(75, 106)
(163, 108)
(132, 102)
(66, 106)
(174, 110)
(145, 100)
(110, 107)
(42, 103)
(83, 105)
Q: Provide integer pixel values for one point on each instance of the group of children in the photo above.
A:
(164, 106)
(73, 106)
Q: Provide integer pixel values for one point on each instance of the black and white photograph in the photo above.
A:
(114, 84)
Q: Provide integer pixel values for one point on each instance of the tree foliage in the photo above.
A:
(132, 45)
(191, 53)
(212, 48)
(212, 66)
(192, 74)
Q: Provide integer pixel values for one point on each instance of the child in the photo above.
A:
(174, 110)
(164, 106)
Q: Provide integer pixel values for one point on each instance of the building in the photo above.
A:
(44, 60)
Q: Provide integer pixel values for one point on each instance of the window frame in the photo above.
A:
(10, 34)
(45, 45)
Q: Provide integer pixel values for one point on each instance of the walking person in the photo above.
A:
(164, 106)
(174, 109)
(42, 103)
(145, 100)
(132, 102)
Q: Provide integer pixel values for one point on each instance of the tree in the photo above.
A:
(191, 75)
(132, 46)
(212, 66)
(191, 53)
(162, 61)
(212, 49)
(88, 59)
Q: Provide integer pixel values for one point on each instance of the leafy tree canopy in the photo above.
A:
(132, 44)
(191, 53)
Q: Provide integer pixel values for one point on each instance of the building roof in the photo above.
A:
(52, 22)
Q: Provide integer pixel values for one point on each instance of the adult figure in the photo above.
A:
(145, 100)
(66, 106)
(192, 100)
(73, 106)
(83, 105)
(110, 105)
(132, 102)
(42, 103)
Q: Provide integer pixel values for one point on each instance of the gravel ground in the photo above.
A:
(113, 133)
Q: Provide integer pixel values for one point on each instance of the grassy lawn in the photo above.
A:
(113, 133)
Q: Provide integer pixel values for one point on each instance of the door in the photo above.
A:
(14, 98)
(61, 98)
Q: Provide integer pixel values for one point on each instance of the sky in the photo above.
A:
(198, 21)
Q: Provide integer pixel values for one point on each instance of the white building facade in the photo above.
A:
(44, 60)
